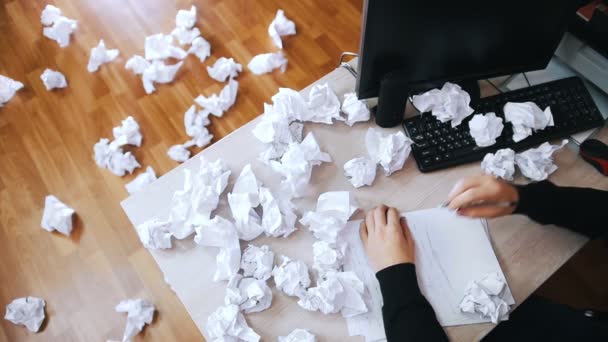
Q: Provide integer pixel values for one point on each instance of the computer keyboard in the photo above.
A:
(438, 146)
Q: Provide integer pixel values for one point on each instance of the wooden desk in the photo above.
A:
(528, 252)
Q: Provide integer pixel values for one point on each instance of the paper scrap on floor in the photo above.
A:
(444, 243)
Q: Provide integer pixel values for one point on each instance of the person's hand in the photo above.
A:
(483, 196)
(386, 238)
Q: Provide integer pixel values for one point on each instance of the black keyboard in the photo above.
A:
(438, 146)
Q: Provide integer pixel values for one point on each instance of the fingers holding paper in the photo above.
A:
(483, 196)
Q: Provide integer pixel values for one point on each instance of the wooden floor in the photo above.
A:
(47, 138)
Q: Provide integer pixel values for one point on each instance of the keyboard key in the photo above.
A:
(428, 152)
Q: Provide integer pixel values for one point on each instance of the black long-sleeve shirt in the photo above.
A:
(408, 316)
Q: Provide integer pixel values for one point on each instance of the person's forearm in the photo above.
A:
(407, 315)
(580, 209)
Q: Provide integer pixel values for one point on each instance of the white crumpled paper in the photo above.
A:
(278, 214)
(220, 232)
(486, 298)
(200, 48)
(280, 26)
(160, 46)
(333, 210)
(291, 277)
(298, 335)
(8, 88)
(360, 171)
(328, 257)
(57, 27)
(224, 68)
(179, 153)
(323, 105)
(290, 104)
(128, 132)
(186, 18)
(243, 200)
(355, 110)
(336, 292)
(56, 216)
(53, 79)
(389, 150)
(277, 132)
(537, 163)
(257, 262)
(110, 155)
(137, 64)
(101, 55)
(296, 165)
(526, 117)
(266, 62)
(485, 128)
(250, 294)
(139, 313)
(141, 181)
(155, 234)
(195, 123)
(27, 311)
(184, 35)
(500, 164)
(194, 204)
(217, 105)
(450, 103)
(158, 72)
(227, 324)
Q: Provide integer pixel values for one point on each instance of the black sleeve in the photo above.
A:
(582, 210)
(407, 314)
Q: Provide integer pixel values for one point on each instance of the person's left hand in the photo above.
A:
(387, 238)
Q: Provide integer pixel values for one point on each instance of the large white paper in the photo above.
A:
(298, 335)
(27, 311)
(450, 103)
(500, 164)
(327, 257)
(355, 110)
(250, 294)
(186, 18)
(333, 210)
(53, 79)
(323, 105)
(56, 216)
(243, 200)
(8, 88)
(227, 324)
(388, 150)
(278, 214)
(61, 28)
(360, 171)
(110, 155)
(221, 233)
(291, 277)
(200, 48)
(155, 234)
(266, 62)
(158, 72)
(139, 313)
(485, 297)
(141, 181)
(127, 133)
(537, 163)
(280, 26)
(224, 68)
(485, 128)
(257, 262)
(218, 104)
(336, 292)
(526, 117)
(160, 46)
(101, 55)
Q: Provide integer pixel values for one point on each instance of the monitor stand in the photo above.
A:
(394, 92)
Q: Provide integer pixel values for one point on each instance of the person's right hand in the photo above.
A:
(483, 196)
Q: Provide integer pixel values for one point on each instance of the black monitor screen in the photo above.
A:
(443, 40)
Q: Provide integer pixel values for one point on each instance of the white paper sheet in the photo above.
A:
(537, 163)
(139, 313)
(500, 164)
(323, 105)
(388, 150)
(298, 335)
(57, 216)
(485, 128)
(219, 104)
(101, 55)
(442, 276)
(280, 26)
(224, 68)
(360, 171)
(186, 18)
(200, 48)
(60, 27)
(8, 88)
(355, 110)
(49, 15)
(333, 210)
(220, 232)
(250, 294)
(291, 277)
(266, 62)
(141, 181)
(257, 262)
(53, 79)
(526, 117)
(450, 103)
(227, 324)
(110, 155)
(27, 311)
(155, 234)
(160, 46)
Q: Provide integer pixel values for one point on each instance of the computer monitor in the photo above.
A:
(410, 46)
